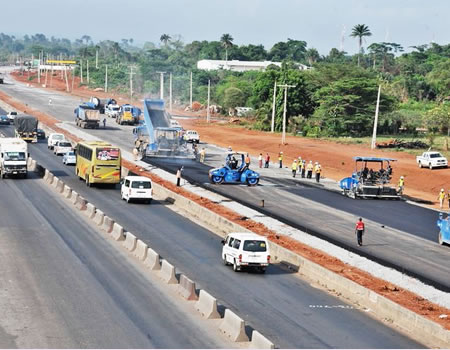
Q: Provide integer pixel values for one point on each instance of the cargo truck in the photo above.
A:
(87, 117)
(13, 157)
(128, 115)
(26, 127)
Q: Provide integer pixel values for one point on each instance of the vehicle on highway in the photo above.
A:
(234, 171)
(11, 116)
(4, 120)
(191, 136)
(128, 115)
(444, 230)
(62, 147)
(98, 162)
(69, 158)
(26, 127)
(136, 188)
(40, 134)
(431, 160)
(246, 250)
(13, 157)
(87, 115)
(371, 179)
(53, 138)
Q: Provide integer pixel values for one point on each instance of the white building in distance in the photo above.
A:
(240, 66)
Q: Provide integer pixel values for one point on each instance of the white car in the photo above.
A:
(70, 158)
(62, 147)
(246, 250)
(192, 136)
(53, 138)
(11, 116)
(138, 188)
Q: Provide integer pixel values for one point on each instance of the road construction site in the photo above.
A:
(293, 193)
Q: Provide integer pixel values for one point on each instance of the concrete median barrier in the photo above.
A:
(130, 242)
(108, 224)
(98, 217)
(67, 192)
(46, 172)
(90, 210)
(117, 232)
(74, 197)
(260, 342)
(50, 178)
(187, 288)
(55, 181)
(141, 250)
(152, 261)
(33, 166)
(207, 305)
(81, 203)
(233, 327)
(167, 272)
(29, 160)
(59, 186)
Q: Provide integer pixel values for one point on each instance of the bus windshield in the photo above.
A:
(108, 153)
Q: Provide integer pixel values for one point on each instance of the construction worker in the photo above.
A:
(266, 165)
(280, 159)
(303, 168)
(441, 198)
(247, 162)
(300, 166)
(299, 162)
(202, 155)
(309, 170)
(359, 230)
(401, 184)
(294, 167)
(318, 170)
(135, 153)
(260, 160)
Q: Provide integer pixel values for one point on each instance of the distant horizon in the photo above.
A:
(323, 24)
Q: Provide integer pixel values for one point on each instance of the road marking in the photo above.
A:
(347, 307)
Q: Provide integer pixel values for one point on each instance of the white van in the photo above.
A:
(53, 138)
(246, 250)
(137, 188)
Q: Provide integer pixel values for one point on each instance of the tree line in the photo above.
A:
(335, 98)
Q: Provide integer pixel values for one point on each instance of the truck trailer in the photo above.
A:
(87, 117)
(13, 157)
(26, 127)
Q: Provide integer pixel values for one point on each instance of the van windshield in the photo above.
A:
(255, 246)
(141, 184)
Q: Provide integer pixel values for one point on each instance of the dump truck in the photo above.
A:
(87, 116)
(155, 138)
(128, 115)
(26, 127)
(13, 157)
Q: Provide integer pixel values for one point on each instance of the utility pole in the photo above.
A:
(170, 92)
(39, 69)
(131, 82)
(67, 80)
(161, 85)
(272, 127)
(87, 71)
(208, 113)
(81, 70)
(375, 123)
(106, 78)
(190, 93)
(73, 76)
(96, 58)
(283, 136)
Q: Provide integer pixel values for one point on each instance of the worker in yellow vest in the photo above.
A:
(309, 170)
(401, 185)
(317, 170)
(280, 159)
(294, 167)
(441, 198)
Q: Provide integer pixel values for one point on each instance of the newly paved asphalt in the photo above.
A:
(64, 286)
(281, 306)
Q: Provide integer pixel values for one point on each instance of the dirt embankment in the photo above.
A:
(395, 293)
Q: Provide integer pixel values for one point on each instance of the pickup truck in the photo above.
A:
(431, 160)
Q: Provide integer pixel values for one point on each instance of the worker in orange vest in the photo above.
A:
(247, 162)
(359, 230)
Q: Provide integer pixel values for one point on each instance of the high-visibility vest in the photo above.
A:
(401, 182)
(294, 166)
(280, 157)
(318, 169)
(441, 195)
(309, 167)
(247, 160)
(360, 226)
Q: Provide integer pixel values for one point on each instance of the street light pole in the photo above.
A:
(190, 93)
(208, 114)
(161, 85)
(170, 92)
(375, 123)
(283, 136)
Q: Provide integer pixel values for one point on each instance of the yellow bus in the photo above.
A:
(98, 162)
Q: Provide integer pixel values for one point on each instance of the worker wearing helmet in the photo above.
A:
(317, 171)
(294, 167)
(441, 198)
(401, 184)
(309, 170)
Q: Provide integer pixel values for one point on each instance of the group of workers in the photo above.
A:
(442, 197)
(306, 170)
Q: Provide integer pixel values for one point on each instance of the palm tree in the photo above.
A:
(227, 42)
(360, 31)
(165, 38)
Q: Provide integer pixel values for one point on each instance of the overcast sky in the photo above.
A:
(319, 22)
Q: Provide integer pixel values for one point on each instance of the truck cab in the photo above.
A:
(13, 157)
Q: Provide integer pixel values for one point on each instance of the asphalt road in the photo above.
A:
(64, 286)
(279, 304)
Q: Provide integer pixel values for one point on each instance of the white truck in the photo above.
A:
(112, 110)
(431, 160)
(13, 157)
(191, 136)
